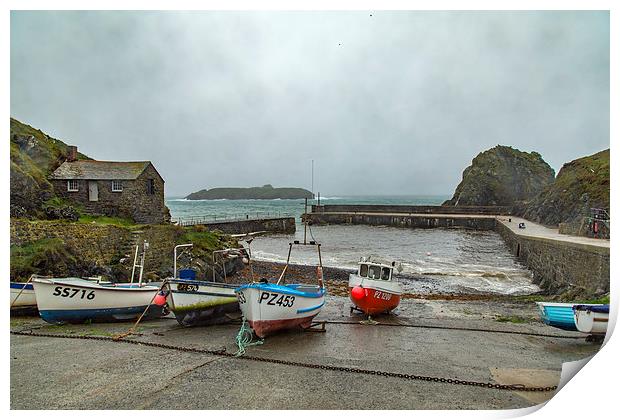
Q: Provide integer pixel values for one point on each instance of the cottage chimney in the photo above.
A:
(71, 153)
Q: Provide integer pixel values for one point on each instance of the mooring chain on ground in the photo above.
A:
(441, 327)
(223, 352)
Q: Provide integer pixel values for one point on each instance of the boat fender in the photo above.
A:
(160, 299)
(358, 292)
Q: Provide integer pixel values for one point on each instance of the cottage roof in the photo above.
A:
(99, 170)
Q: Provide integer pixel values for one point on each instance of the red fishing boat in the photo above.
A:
(372, 289)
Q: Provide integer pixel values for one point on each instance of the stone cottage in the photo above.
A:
(123, 189)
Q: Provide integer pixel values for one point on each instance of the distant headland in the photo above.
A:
(266, 192)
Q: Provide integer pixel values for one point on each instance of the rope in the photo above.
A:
(244, 338)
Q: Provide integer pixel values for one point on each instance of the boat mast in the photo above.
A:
(305, 218)
(312, 183)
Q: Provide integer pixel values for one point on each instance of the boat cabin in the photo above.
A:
(375, 271)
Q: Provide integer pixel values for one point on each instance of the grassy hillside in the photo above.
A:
(579, 186)
(34, 155)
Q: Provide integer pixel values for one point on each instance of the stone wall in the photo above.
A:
(380, 208)
(405, 221)
(275, 225)
(106, 245)
(133, 202)
(561, 267)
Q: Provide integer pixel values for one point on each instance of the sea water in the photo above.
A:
(431, 260)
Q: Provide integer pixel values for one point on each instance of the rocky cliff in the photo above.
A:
(266, 192)
(502, 176)
(34, 155)
(580, 185)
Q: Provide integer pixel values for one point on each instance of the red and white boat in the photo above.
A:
(372, 289)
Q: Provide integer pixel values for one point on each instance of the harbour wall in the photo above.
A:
(109, 248)
(381, 208)
(573, 269)
(275, 225)
(104, 245)
(561, 267)
(479, 222)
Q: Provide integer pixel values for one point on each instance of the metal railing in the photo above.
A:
(229, 218)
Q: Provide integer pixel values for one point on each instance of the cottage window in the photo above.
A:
(73, 185)
(117, 186)
(150, 186)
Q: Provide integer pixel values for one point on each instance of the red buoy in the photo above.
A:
(358, 292)
(160, 300)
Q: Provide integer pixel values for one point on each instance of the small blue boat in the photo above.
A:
(559, 314)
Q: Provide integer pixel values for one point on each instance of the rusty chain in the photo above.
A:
(222, 352)
(443, 327)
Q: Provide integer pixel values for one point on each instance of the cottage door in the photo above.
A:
(93, 191)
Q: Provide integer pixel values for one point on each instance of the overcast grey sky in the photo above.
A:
(393, 103)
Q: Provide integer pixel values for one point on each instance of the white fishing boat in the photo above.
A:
(77, 300)
(196, 302)
(22, 295)
(271, 307)
(591, 319)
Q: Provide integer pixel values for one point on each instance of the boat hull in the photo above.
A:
(269, 308)
(199, 303)
(591, 320)
(558, 314)
(378, 296)
(74, 300)
(22, 295)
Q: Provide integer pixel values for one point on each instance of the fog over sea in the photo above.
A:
(432, 260)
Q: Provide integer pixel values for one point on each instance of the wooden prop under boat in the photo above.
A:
(559, 314)
(77, 300)
(591, 319)
(372, 289)
(196, 302)
(271, 307)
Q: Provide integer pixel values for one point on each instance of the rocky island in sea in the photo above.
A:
(266, 192)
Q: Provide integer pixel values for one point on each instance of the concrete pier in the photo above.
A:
(560, 263)
(478, 222)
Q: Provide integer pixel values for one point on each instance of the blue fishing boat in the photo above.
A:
(559, 314)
